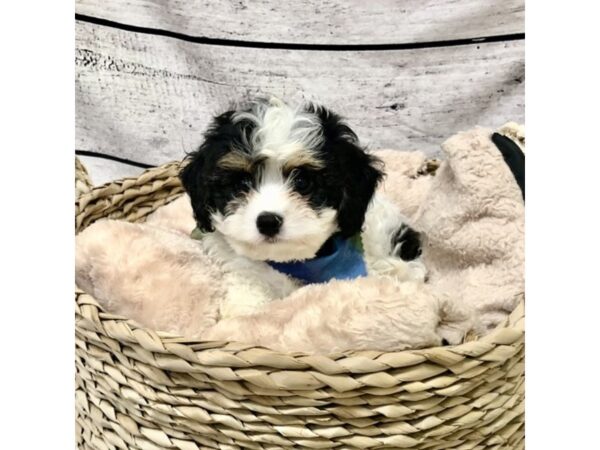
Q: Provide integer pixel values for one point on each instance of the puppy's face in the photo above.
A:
(277, 181)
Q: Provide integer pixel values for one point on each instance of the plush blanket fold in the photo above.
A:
(471, 213)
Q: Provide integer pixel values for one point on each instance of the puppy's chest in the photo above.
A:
(341, 259)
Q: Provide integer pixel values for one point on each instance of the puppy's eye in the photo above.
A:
(243, 180)
(301, 181)
(229, 180)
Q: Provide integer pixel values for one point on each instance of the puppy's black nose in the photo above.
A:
(269, 223)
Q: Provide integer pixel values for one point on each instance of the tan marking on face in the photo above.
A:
(236, 160)
(302, 159)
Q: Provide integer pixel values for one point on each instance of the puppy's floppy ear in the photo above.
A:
(191, 176)
(362, 173)
(353, 170)
(198, 165)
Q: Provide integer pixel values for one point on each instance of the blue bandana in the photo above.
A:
(345, 262)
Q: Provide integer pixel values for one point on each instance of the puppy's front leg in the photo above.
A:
(249, 284)
(392, 247)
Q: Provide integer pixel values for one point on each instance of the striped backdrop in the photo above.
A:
(405, 74)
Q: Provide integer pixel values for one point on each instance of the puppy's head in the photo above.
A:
(278, 181)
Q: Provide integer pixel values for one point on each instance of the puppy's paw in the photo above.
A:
(406, 243)
(417, 271)
(397, 268)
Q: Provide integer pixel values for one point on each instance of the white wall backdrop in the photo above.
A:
(405, 74)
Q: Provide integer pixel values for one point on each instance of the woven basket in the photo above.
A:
(83, 183)
(142, 389)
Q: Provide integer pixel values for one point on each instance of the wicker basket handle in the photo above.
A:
(83, 183)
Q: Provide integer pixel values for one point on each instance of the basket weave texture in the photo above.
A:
(141, 389)
(83, 183)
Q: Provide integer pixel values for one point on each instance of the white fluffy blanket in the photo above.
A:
(471, 214)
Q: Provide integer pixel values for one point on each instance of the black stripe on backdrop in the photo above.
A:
(129, 162)
(272, 45)
(296, 46)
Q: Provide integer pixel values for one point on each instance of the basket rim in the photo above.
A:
(91, 316)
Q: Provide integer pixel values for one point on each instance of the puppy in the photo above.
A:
(283, 196)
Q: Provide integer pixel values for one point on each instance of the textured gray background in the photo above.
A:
(150, 74)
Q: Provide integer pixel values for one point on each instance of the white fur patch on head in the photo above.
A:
(282, 133)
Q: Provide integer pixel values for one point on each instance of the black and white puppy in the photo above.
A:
(273, 183)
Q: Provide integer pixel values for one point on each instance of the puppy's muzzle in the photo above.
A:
(269, 223)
